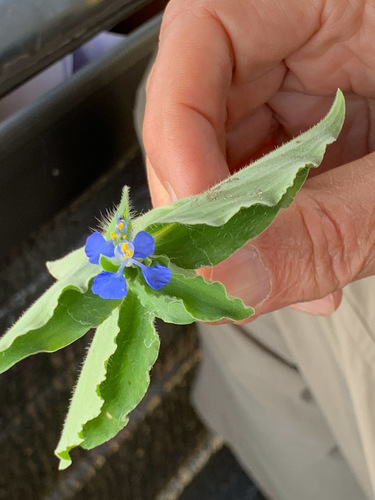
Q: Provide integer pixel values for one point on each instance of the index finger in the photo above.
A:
(186, 104)
(200, 53)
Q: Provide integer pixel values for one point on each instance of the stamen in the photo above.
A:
(113, 235)
(120, 225)
(128, 252)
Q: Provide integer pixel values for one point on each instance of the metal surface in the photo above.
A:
(36, 33)
(52, 150)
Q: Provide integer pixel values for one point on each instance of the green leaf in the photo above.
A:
(64, 313)
(189, 297)
(38, 314)
(263, 182)
(123, 209)
(194, 246)
(127, 377)
(251, 197)
(169, 308)
(69, 264)
(86, 402)
(63, 267)
(108, 264)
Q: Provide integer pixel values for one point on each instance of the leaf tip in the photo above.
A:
(64, 457)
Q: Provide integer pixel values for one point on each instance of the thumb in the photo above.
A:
(320, 307)
(322, 242)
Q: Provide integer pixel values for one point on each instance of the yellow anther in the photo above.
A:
(113, 235)
(120, 225)
(128, 252)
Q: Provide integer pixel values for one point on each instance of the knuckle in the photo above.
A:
(331, 234)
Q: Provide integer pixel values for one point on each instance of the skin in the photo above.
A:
(230, 77)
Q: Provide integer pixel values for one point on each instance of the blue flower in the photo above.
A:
(96, 246)
(125, 251)
(110, 285)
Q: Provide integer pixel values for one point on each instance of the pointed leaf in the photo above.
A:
(127, 375)
(205, 229)
(123, 209)
(38, 314)
(64, 313)
(87, 402)
(68, 264)
(263, 182)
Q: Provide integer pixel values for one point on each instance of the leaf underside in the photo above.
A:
(264, 181)
(201, 245)
(86, 401)
(205, 229)
(75, 314)
(113, 380)
(127, 372)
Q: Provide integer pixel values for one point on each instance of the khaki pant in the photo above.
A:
(294, 397)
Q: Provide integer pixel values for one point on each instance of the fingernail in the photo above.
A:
(171, 192)
(245, 276)
(320, 307)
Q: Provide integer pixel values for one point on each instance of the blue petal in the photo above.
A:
(96, 246)
(156, 276)
(144, 245)
(110, 285)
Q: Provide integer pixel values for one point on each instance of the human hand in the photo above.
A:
(232, 76)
